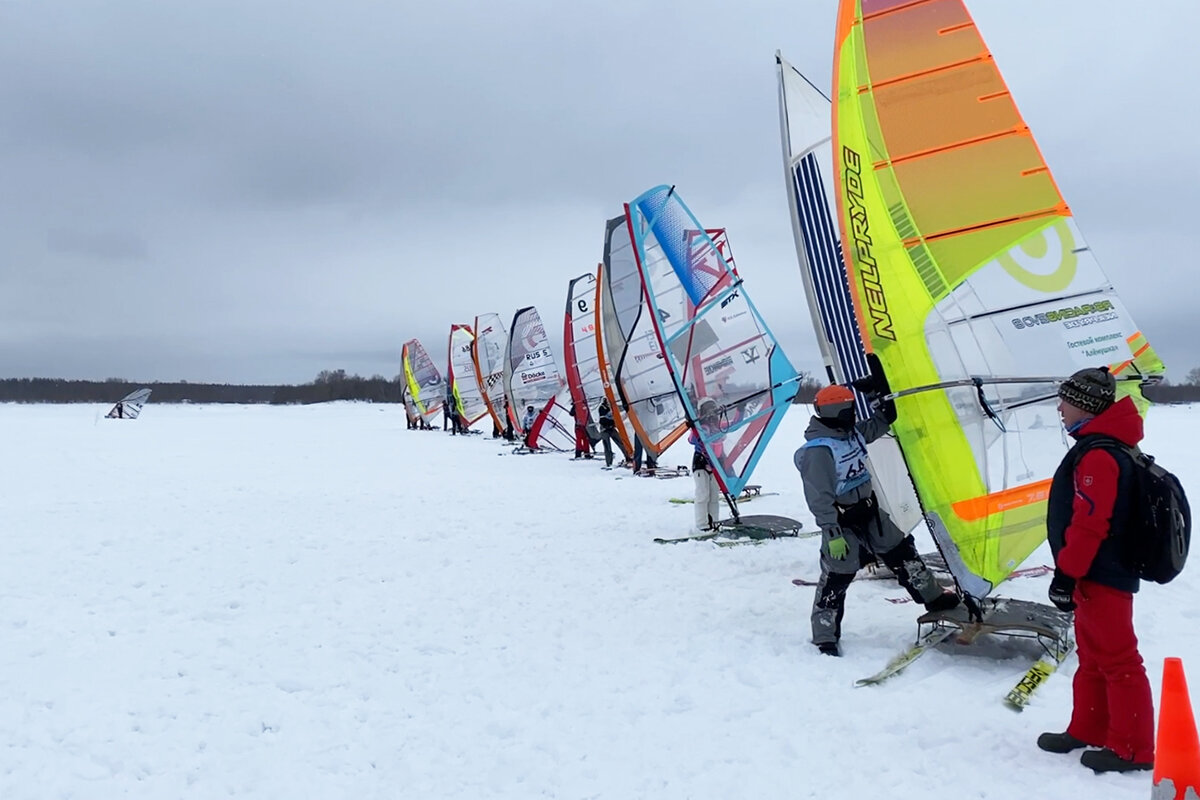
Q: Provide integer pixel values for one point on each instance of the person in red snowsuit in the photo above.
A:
(1088, 516)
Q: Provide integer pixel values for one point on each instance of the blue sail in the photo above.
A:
(734, 379)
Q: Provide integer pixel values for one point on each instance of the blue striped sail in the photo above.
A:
(733, 378)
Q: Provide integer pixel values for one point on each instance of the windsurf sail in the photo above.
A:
(972, 283)
(581, 362)
(648, 397)
(487, 353)
(804, 117)
(130, 406)
(608, 329)
(732, 377)
(460, 373)
(410, 408)
(534, 382)
(426, 387)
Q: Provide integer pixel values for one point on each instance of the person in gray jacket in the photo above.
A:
(854, 529)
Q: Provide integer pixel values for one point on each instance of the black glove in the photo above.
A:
(1062, 590)
(868, 385)
(876, 387)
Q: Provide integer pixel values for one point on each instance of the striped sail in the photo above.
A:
(804, 117)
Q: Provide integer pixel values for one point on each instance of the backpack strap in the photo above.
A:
(1106, 442)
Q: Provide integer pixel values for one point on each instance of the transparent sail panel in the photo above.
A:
(465, 384)
(735, 381)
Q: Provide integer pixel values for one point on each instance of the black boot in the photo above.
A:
(943, 602)
(1107, 761)
(829, 648)
(1059, 742)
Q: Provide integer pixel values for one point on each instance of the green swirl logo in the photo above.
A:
(1051, 246)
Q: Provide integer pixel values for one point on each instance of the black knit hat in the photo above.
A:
(1091, 389)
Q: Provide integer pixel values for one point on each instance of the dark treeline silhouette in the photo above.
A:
(1174, 393)
(328, 385)
(331, 385)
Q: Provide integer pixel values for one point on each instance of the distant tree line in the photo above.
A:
(337, 385)
(328, 385)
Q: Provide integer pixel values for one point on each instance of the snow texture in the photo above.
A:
(314, 602)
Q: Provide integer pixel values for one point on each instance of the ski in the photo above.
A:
(742, 498)
(924, 644)
(699, 537)
(666, 473)
(1019, 696)
(882, 575)
(761, 539)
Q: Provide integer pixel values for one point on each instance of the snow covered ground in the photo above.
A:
(314, 602)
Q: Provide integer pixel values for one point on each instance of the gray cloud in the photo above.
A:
(257, 191)
(99, 245)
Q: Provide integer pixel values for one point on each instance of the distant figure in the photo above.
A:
(583, 445)
(509, 434)
(129, 406)
(527, 425)
(449, 414)
(638, 450)
(707, 505)
(608, 432)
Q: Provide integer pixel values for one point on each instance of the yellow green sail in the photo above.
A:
(972, 283)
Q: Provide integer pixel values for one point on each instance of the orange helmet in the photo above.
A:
(834, 395)
(835, 405)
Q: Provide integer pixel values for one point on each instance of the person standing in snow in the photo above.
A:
(1088, 515)
(509, 435)
(527, 426)
(707, 500)
(608, 432)
(638, 452)
(854, 529)
(583, 445)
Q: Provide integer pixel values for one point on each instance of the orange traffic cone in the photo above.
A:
(1177, 751)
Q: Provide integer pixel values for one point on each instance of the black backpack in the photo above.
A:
(1156, 542)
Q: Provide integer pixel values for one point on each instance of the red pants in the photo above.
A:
(1113, 705)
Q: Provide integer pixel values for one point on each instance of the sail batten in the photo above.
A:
(968, 275)
(463, 380)
(534, 382)
(731, 377)
(648, 398)
(487, 355)
(426, 386)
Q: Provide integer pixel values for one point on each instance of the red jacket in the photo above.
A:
(1096, 479)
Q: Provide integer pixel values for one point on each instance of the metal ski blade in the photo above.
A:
(1019, 696)
(901, 661)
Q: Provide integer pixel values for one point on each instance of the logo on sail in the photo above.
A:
(860, 231)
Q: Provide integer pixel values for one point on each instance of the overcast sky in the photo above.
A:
(256, 190)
